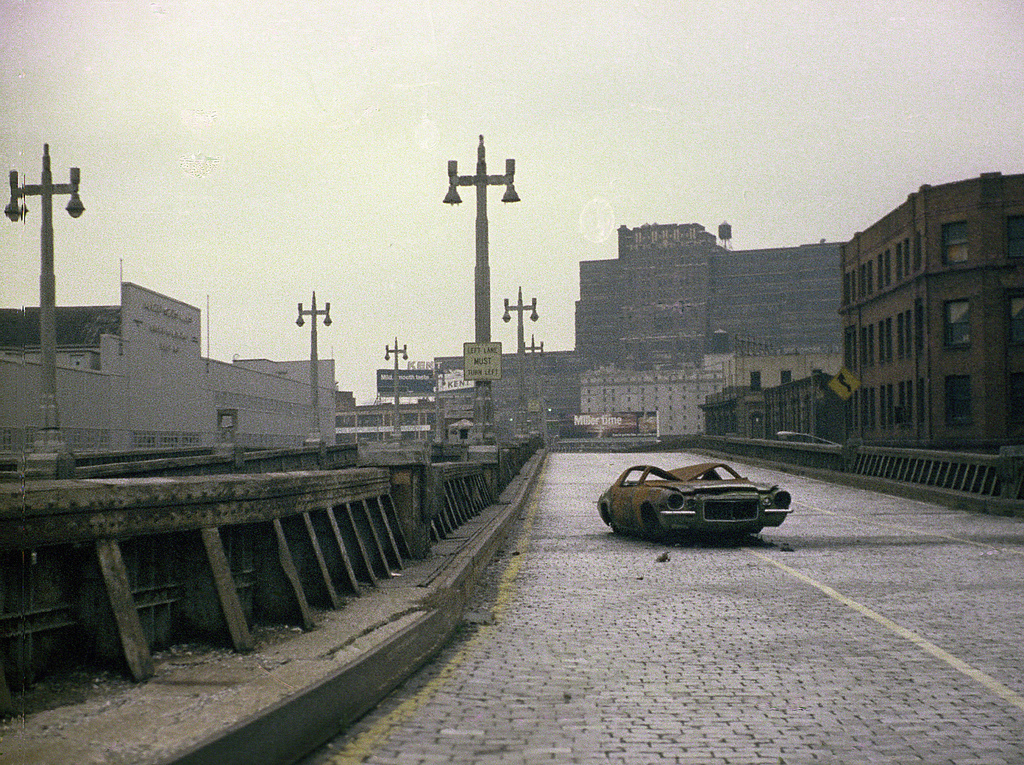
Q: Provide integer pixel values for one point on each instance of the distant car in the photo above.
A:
(710, 497)
(803, 438)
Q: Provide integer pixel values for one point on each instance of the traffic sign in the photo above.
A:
(481, 361)
(844, 383)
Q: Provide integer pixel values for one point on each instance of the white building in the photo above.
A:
(674, 394)
(132, 376)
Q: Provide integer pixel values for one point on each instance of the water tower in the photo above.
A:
(725, 234)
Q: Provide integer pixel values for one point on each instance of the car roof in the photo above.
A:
(694, 472)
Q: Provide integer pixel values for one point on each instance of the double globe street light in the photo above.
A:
(483, 405)
(48, 443)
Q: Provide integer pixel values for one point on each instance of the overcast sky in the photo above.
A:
(248, 152)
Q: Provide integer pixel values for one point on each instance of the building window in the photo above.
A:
(785, 376)
(900, 413)
(918, 325)
(899, 336)
(958, 323)
(954, 242)
(958, 399)
(908, 327)
(1015, 236)
(1016, 332)
(1015, 397)
(755, 381)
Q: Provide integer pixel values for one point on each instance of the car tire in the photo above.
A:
(649, 526)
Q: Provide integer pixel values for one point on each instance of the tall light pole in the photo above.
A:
(533, 348)
(483, 405)
(315, 434)
(48, 439)
(521, 352)
(387, 355)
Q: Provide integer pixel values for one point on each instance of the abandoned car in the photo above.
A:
(709, 497)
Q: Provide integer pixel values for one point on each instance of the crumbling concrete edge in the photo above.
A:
(291, 728)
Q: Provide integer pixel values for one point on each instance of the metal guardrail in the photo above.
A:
(981, 474)
(994, 482)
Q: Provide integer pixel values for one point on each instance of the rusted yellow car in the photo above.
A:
(710, 497)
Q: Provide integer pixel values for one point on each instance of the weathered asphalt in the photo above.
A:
(274, 705)
(867, 629)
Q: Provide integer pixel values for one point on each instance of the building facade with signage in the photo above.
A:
(133, 376)
(550, 385)
(932, 315)
(674, 396)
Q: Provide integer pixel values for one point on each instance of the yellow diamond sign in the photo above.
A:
(844, 383)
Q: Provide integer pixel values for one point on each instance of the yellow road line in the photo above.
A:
(367, 742)
(927, 646)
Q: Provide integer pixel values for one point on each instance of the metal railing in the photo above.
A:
(995, 482)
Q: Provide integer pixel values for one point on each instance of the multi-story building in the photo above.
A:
(674, 395)
(933, 317)
(744, 406)
(673, 289)
(376, 422)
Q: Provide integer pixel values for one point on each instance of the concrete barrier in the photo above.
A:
(109, 569)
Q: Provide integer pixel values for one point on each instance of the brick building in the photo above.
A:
(673, 288)
(933, 317)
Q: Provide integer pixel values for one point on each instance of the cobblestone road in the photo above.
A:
(866, 629)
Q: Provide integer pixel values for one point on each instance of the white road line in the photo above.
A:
(927, 646)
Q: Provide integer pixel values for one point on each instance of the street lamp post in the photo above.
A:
(533, 348)
(521, 352)
(387, 355)
(315, 434)
(48, 440)
(483, 405)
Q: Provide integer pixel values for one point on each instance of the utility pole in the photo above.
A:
(48, 442)
(483, 404)
(315, 435)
